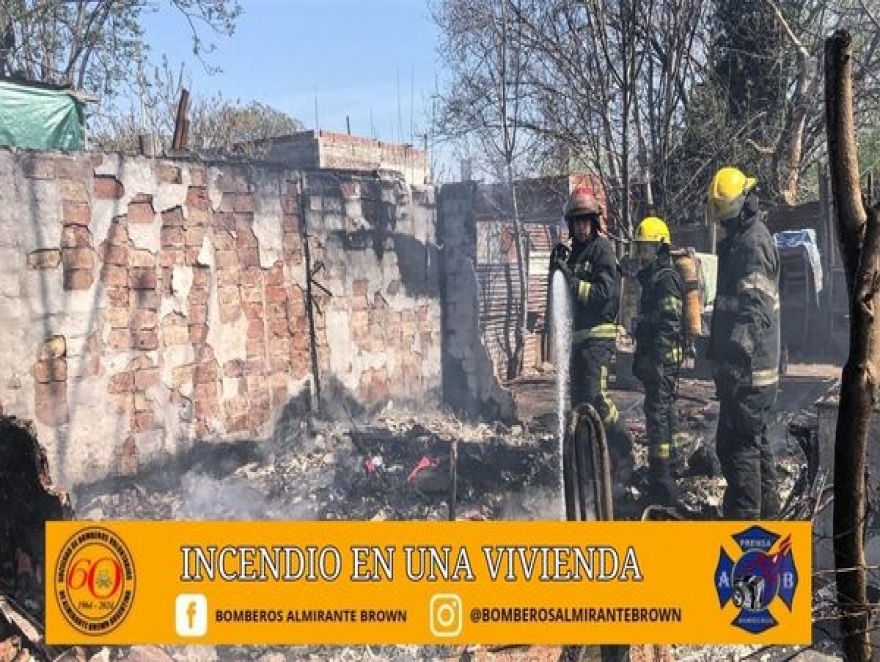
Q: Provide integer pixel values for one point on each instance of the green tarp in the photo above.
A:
(40, 118)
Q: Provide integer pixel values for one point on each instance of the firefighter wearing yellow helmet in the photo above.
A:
(659, 335)
(593, 275)
(744, 346)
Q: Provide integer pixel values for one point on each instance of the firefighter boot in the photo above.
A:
(662, 489)
(620, 451)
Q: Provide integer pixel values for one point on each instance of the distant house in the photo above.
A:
(326, 149)
(38, 116)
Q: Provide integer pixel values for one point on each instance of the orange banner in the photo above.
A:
(428, 582)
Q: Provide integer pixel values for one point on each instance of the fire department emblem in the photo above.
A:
(763, 572)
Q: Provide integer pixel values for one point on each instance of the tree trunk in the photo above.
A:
(515, 365)
(860, 248)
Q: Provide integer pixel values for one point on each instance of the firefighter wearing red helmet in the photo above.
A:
(593, 274)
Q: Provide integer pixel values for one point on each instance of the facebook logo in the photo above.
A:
(191, 615)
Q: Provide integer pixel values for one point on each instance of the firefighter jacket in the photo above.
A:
(596, 286)
(744, 339)
(660, 330)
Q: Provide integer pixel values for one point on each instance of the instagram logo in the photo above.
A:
(445, 614)
(191, 615)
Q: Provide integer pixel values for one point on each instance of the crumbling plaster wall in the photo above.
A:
(147, 303)
(469, 382)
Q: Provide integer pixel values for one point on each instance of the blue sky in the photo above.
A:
(356, 57)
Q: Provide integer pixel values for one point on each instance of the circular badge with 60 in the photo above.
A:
(94, 581)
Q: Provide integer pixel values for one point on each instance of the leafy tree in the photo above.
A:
(95, 45)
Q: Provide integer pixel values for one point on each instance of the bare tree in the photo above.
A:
(487, 101)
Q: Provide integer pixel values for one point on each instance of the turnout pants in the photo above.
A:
(660, 418)
(744, 452)
(590, 361)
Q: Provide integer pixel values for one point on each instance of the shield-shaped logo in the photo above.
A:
(762, 572)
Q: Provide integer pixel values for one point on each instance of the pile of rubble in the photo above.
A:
(396, 466)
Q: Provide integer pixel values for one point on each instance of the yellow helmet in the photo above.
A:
(653, 229)
(727, 193)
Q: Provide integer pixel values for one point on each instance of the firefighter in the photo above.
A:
(659, 335)
(593, 274)
(744, 346)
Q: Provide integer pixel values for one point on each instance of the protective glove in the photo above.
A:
(559, 258)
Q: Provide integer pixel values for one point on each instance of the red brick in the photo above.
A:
(173, 238)
(67, 167)
(168, 174)
(115, 255)
(78, 258)
(142, 421)
(244, 231)
(278, 328)
(291, 242)
(117, 317)
(122, 382)
(183, 374)
(256, 330)
(198, 314)
(112, 275)
(224, 221)
(229, 275)
(172, 258)
(290, 222)
(244, 202)
(146, 299)
(278, 386)
(198, 296)
(128, 457)
(78, 279)
(173, 218)
(38, 167)
(276, 294)
(201, 277)
(207, 369)
(275, 275)
(198, 333)
(107, 187)
(249, 257)
(141, 258)
(255, 365)
(251, 294)
(75, 236)
(74, 191)
(139, 363)
(225, 259)
(52, 370)
(198, 217)
(205, 353)
(117, 296)
(299, 342)
(206, 407)
(146, 378)
(234, 368)
(143, 319)
(140, 278)
(197, 198)
(300, 364)
(193, 236)
(141, 213)
(117, 234)
(145, 340)
(119, 339)
(175, 330)
(76, 213)
(359, 288)
(198, 176)
(255, 348)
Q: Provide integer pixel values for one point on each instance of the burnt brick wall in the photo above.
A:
(149, 303)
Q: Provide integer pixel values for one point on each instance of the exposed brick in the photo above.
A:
(229, 275)
(252, 276)
(141, 402)
(276, 294)
(140, 278)
(142, 421)
(52, 370)
(244, 202)
(251, 294)
(222, 241)
(252, 310)
(78, 258)
(278, 328)
(198, 296)
(168, 174)
(193, 236)
(128, 457)
(147, 299)
(172, 238)
(359, 288)
(44, 259)
(275, 275)
(172, 258)
(141, 258)
(249, 257)
(255, 348)
(76, 213)
(119, 339)
(199, 217)
(228, 303)
(208, 407)
(115, 255)
(256, 329)
(198, 314)
(141, 213)
(279, 389)
(117, 233)
(38, 167)
(198, 333)
(225, 259)
(224, 221)
(290, 223)
(197, 198)
(112, 275)
(291, 242)
(201, 277)
(300, 364)
(183, 375)
(255, 365)
(233, 183)
(75, 236)
(74, 191)
(78, 279)
(122, 382)
(117, 296)
(173, 218)
(276, 311)
(206, 372)
(234, 368)
(145, 340)
(279, 346)
(142, 319)
(124, 402)
(107, 187)
(67, 167)
(116, 317)
(299, 342)
(146, 378)
(236, 409)
(205, 353)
